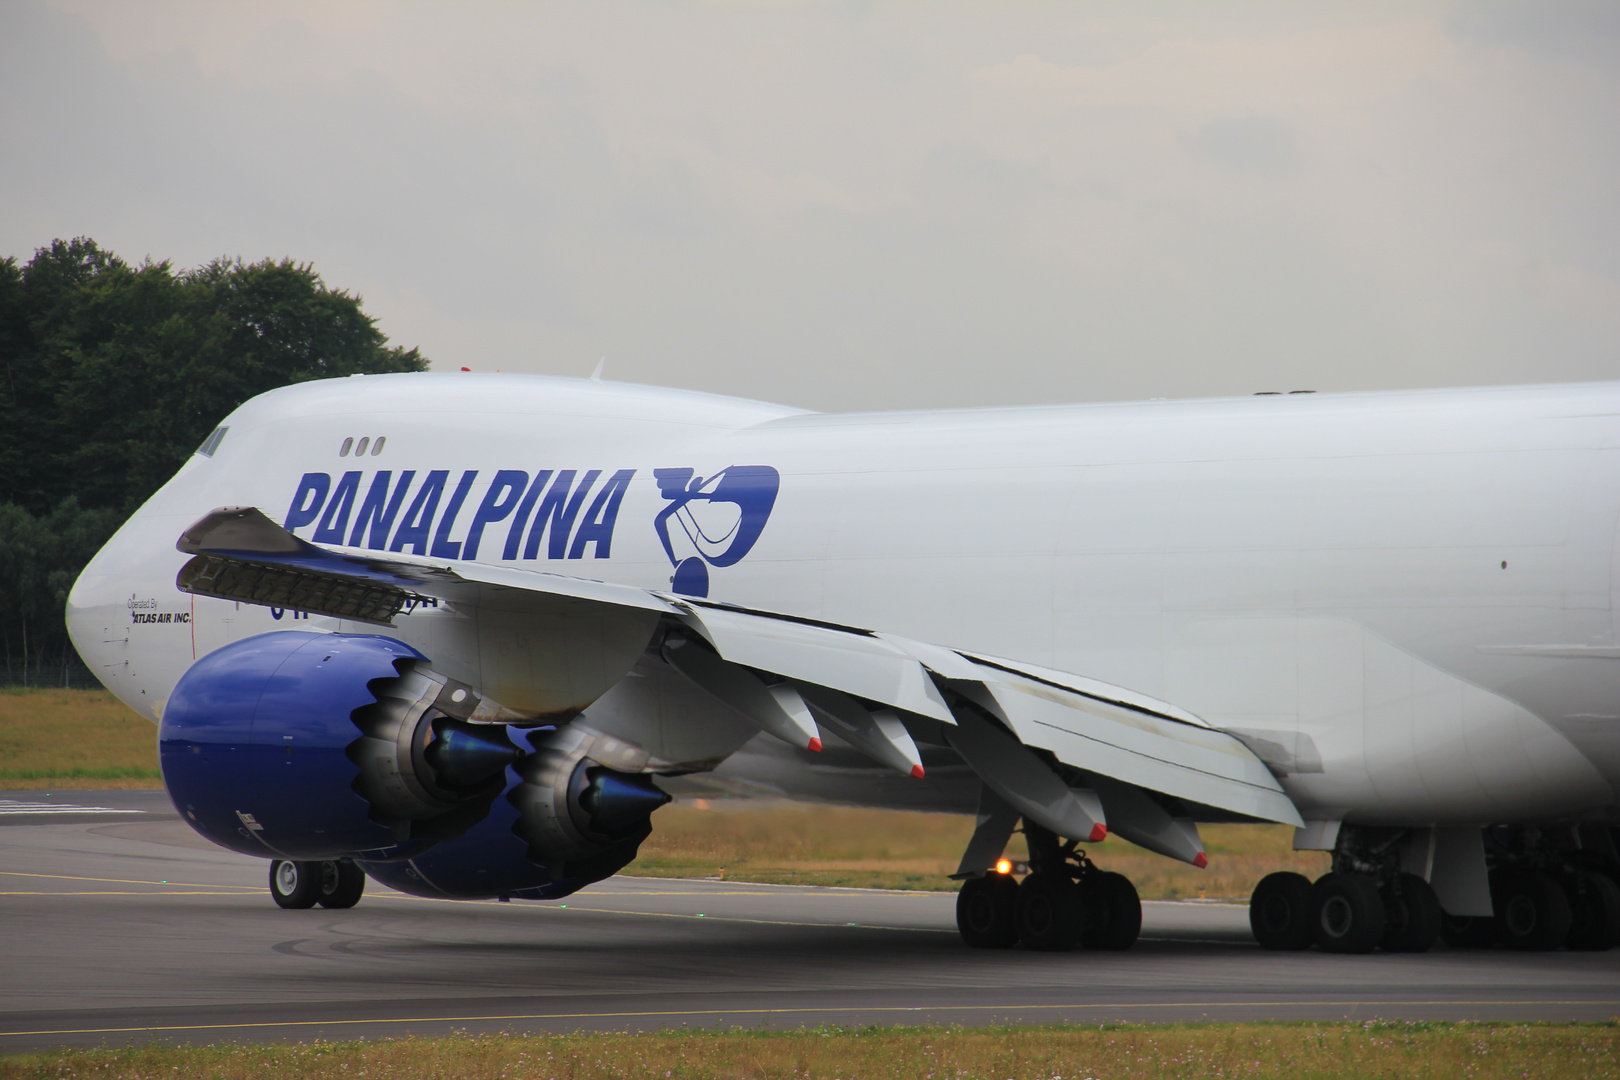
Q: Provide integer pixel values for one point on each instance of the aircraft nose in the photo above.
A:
(127, 620)
(97, 627)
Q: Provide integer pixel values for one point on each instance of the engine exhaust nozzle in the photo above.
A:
(617, 801)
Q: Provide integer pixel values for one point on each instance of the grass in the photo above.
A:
(77, 739)
(1422, 1051)
(74, 739)
(797, 843)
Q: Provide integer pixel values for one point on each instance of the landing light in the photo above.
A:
(1003, 866)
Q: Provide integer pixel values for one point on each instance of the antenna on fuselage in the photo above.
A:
(596, 376)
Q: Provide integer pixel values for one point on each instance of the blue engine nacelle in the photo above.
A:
(306, 746)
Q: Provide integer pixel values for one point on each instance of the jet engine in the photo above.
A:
(311, 746)
(569, 818)
(305, 746)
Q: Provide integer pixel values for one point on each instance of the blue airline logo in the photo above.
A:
(718, 518)
(548, 507)
(709, 521)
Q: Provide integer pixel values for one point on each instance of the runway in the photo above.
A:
(123, 926)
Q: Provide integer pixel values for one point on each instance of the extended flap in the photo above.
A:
(1199, 764)
(859, 664)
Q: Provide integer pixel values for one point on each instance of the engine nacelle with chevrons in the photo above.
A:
(300, 745)
(307, 746)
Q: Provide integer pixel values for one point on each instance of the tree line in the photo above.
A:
(111, 375)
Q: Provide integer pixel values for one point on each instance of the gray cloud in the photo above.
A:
(1255, 143)
(1586, 31)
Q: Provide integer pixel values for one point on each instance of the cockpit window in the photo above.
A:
(211, 443)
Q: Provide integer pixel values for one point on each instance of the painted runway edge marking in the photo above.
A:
(130, 881)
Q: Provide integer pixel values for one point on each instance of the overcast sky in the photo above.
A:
(866, 205)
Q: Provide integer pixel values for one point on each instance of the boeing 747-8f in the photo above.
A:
(463, 633)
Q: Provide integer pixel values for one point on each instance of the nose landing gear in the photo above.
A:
(330, 884)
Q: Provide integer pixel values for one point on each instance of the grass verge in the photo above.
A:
(74, 739)
(1482, 1051)
(803, 844)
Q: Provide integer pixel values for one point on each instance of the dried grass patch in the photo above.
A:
(1426, 1051)
(801, 843)
(74, 739)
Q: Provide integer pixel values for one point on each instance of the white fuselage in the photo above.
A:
(1403, 601)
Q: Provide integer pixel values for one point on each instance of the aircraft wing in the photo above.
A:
(1011, 722)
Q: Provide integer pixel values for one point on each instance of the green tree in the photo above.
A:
(40, 557)
(113, 374)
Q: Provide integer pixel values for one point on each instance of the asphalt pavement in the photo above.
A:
(122, 925)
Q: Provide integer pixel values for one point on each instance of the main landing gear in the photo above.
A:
(1345, 913)
(1549, 890)
(305, 884)
(1065, 901)
(1537, 910)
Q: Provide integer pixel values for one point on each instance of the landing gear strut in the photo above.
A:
(1064, 902)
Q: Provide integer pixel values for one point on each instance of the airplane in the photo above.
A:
(464, 634)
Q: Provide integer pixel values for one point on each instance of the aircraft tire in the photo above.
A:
(1113, 913)
(295, 885)
(1468, 931)
(985, 915)
(1532, 911)
(1347, 914)
(1596, 909)
(342, 885)
(1411, 915)
(1049, 913)
(1280, 911)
